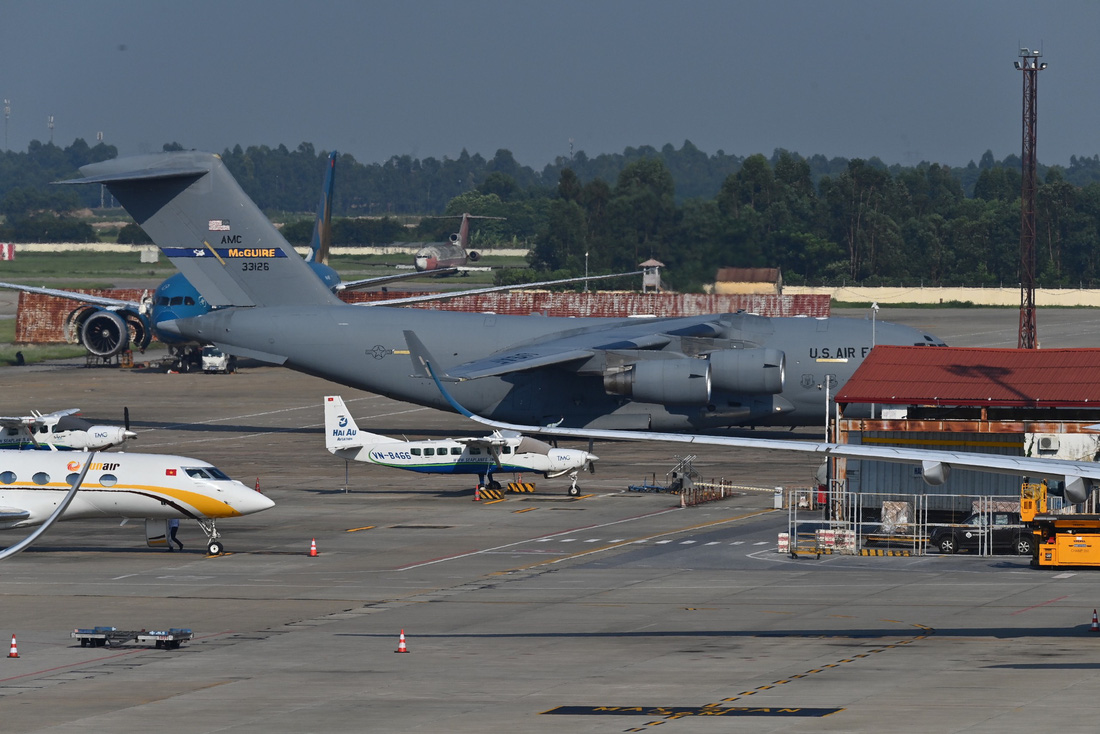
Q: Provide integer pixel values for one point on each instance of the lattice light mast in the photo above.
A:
(1029, 64)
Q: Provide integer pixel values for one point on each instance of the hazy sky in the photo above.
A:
(904, 81)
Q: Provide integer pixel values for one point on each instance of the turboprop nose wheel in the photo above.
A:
(574, 490)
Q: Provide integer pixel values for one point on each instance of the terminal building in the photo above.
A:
(1017, 402)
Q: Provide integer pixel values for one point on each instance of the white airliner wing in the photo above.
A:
(442, 296)
(351, 285)
(74, 296)
(933, 462)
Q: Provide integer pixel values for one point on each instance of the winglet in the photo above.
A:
(421, 358)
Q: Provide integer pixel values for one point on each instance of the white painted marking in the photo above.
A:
(592, 540)
(662, 542)
(713, 542)
(1065, 575)
(762, 542)
(569, 540)
(687, 542)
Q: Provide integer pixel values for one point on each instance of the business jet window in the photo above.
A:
(415, 452)
(71, 478)
(41, 478)
(196, 473)
(8, 477)
(429, 452)
(216, 473)
(456, 451)
(108, 480)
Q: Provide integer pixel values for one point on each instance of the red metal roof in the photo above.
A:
(960, 376)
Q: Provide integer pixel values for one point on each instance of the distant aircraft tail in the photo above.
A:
(194, 210)
(322, 227)
(340, 429)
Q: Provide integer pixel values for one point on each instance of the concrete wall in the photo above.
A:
(980, 296)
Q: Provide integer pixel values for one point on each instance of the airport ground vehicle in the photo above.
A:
(995, 531)
(215, 360)
(1060, 539)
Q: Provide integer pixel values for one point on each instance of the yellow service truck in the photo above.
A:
(1060, 539)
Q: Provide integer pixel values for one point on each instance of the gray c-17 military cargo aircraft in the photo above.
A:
(672, 374)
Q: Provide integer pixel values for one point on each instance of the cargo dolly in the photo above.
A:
(169, 639)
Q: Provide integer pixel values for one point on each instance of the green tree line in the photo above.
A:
(820, 220)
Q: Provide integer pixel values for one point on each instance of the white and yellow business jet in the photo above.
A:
(40, 487)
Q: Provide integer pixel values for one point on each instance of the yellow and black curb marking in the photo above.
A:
(671, 713)
(491, 494)
(884, 552)
(521, 487)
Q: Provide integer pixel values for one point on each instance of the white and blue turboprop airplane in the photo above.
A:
(503, 451)
(60, 430)
(39, 488)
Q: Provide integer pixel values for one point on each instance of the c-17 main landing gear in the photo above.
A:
(214, 545)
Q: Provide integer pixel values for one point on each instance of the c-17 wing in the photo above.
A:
(1078, 476)
(82, 297)
(560, 349)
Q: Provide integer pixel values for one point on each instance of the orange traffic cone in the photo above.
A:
(400, 643)
(257, 487)
(313, 548)
(14, 650)
(477, 493)
(1094, 628)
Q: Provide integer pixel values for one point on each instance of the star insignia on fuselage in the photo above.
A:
(378, 351)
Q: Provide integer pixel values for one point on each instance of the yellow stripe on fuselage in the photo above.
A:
(205, 505)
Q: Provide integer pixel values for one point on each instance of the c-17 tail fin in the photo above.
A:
(194, 210)
(341, 431)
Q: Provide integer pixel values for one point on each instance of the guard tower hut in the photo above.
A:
(1016, 402)
(651, 276)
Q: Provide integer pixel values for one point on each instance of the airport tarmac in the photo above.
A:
(613, 612)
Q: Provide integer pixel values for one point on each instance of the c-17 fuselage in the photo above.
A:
(367, 348)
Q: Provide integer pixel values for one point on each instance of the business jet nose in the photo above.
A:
(247, 501)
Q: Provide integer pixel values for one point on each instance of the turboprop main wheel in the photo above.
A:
(574, 491)
(215, 548)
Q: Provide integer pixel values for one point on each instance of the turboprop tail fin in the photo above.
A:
(340, 429)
